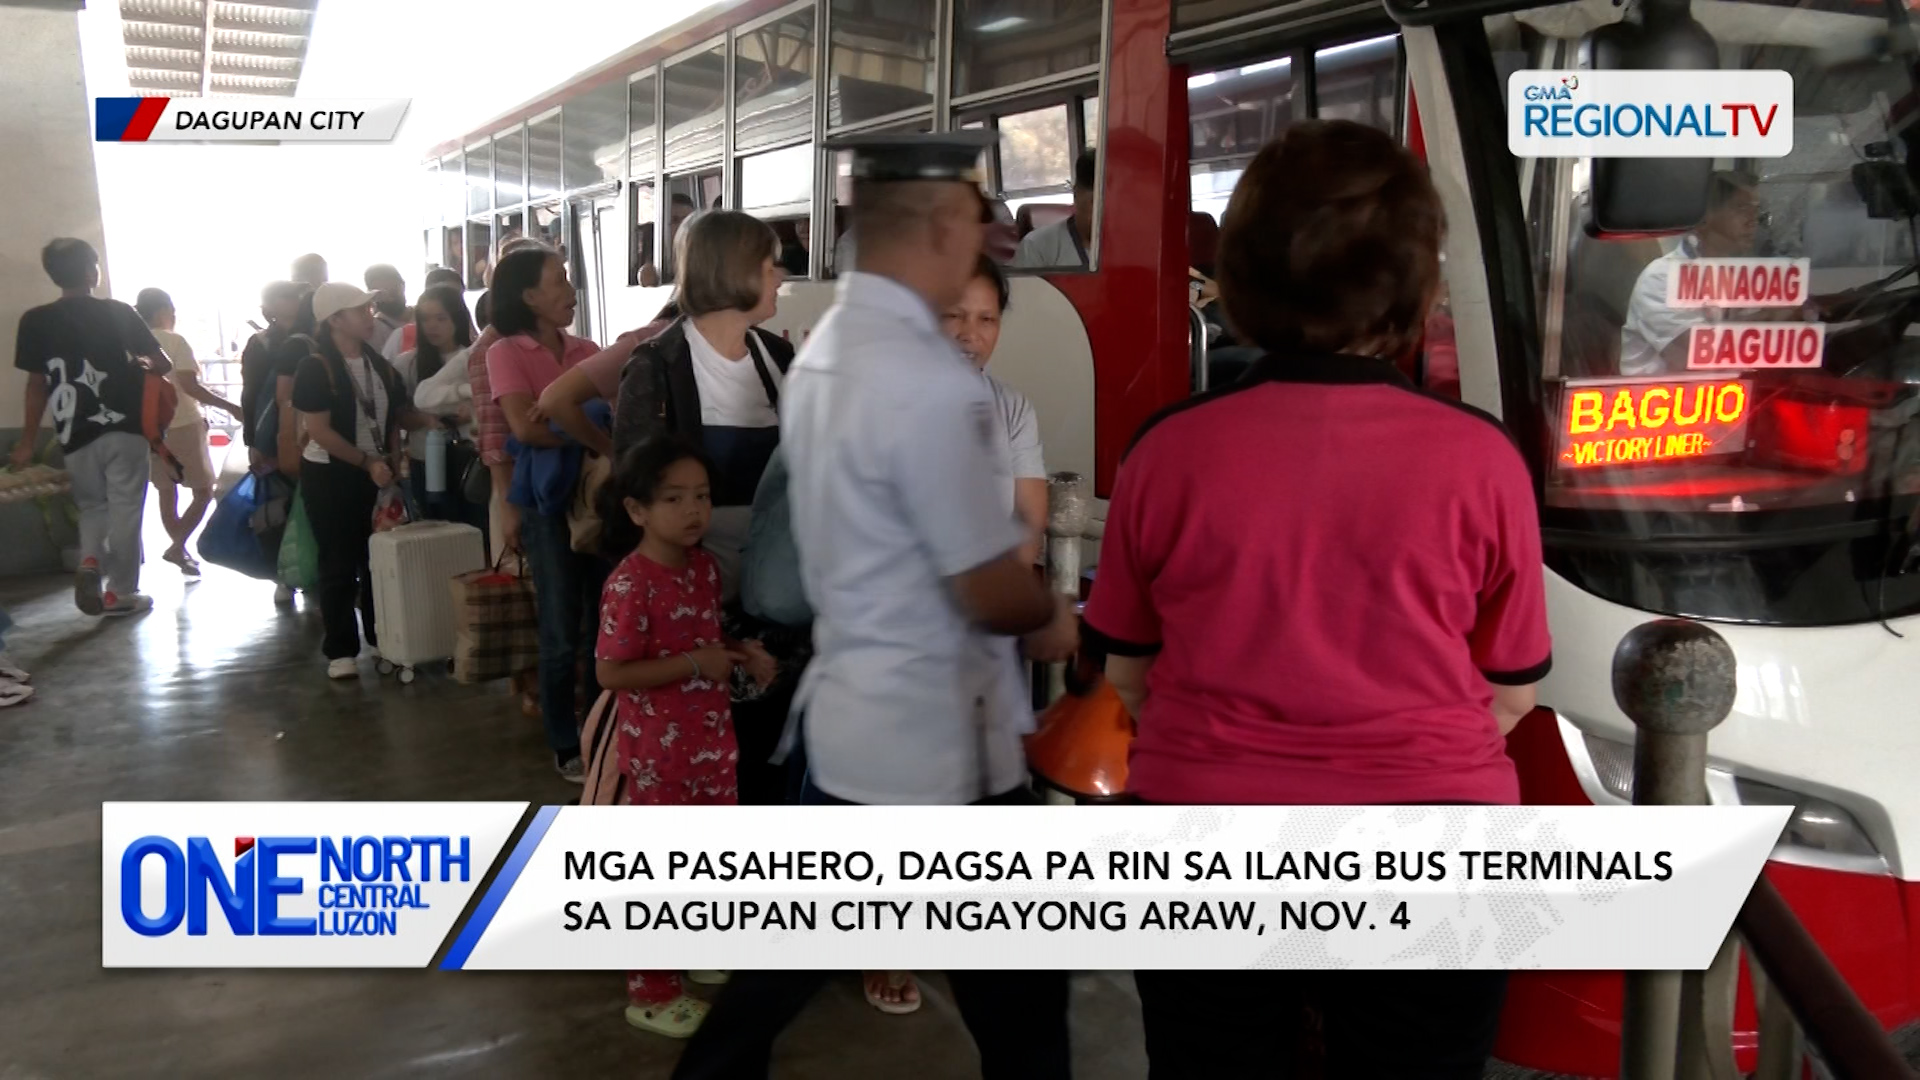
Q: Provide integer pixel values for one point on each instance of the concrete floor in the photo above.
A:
(217, 694)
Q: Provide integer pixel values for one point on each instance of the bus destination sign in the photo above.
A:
(1635, 422)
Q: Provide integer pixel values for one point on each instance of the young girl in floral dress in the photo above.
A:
(662, 653)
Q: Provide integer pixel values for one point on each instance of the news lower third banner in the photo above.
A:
(955, 888)
(247, 119)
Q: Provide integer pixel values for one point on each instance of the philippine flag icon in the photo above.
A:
(126, 119)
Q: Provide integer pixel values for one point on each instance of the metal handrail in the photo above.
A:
(1675, 680)
(1197, 348)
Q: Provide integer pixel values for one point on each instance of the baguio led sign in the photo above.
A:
(1630, 423)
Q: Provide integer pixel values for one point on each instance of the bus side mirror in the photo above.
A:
(1636, 197)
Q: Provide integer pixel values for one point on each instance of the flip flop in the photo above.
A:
(895, 980)
(13, 693)
(184, 561)
(676, 1019)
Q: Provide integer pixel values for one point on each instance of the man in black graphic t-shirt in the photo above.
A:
(79, 355)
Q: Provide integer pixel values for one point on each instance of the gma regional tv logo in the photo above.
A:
(291, 884)
(1622, 114)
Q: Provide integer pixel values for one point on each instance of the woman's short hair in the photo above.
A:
(1332, 239)
(989, 271)
(512, 278)
(718, 256)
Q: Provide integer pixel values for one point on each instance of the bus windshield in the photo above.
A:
(1730, 414)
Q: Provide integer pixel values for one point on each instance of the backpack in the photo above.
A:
(770, 587)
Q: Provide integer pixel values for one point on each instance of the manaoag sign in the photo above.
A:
(1630, 423)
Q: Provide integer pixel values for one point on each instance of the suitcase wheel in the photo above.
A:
(385, 667)
(406, 676)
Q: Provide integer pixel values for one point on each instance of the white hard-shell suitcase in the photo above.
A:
(412, 605)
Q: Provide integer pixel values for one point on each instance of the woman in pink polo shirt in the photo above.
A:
(533, 305)
(1323, 586)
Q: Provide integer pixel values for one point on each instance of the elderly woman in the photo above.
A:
(1324, 586)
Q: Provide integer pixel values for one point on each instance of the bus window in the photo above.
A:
(1358, 81)
(507, 227)
(696, 95)
(1188, 14)
(596, 136)
(685, 195)
(549, 227)
(1230, 115)
(643, 137)
(453, 188)
(479, 270)
(543, 157)
(643, 268)
(999, 43)
(843, 246)
(773, 82)
(882, 59)
(777, 186)
(1037, 182)
(479, 178)
(510, 168)
(1090, 119)
(453, 250)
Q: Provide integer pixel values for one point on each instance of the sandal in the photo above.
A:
(900, 985)
(709, 978)
(676, 1019)
(184, 561)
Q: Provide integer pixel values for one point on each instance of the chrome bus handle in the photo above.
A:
(1197, 348)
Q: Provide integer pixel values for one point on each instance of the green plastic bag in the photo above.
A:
(299, 554)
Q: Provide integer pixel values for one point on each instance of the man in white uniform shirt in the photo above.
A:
(1655, 336)
(910, 562)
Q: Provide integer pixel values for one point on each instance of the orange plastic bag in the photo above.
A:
(1082, 744)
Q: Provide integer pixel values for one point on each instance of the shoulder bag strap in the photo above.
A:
(366, 402)
(760, 367)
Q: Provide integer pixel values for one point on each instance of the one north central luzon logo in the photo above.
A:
(366, 883)
(1557, 110)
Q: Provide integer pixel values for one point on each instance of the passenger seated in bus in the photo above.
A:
(1064, 243)
(1654, 338)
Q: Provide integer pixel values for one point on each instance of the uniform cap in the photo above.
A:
(948, 155)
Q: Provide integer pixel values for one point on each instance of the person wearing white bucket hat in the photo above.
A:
(353, 405)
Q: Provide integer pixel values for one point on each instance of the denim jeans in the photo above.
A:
(566, 587)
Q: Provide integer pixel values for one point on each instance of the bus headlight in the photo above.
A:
(1821, 833)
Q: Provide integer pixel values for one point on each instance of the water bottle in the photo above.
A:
(436, 461)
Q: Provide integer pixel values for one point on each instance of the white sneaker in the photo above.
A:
(13, 693)
(344, 668)
(130, 604)
(283, 595)
(572, 770)
(12, 672)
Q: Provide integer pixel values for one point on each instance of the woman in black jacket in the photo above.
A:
(712, 376)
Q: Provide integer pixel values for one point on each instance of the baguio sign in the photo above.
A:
(1616, 423)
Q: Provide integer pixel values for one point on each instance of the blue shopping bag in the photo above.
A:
(229, 540)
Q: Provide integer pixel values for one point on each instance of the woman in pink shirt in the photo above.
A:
(533, 303)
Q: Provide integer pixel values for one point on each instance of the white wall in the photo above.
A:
(46, 175)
